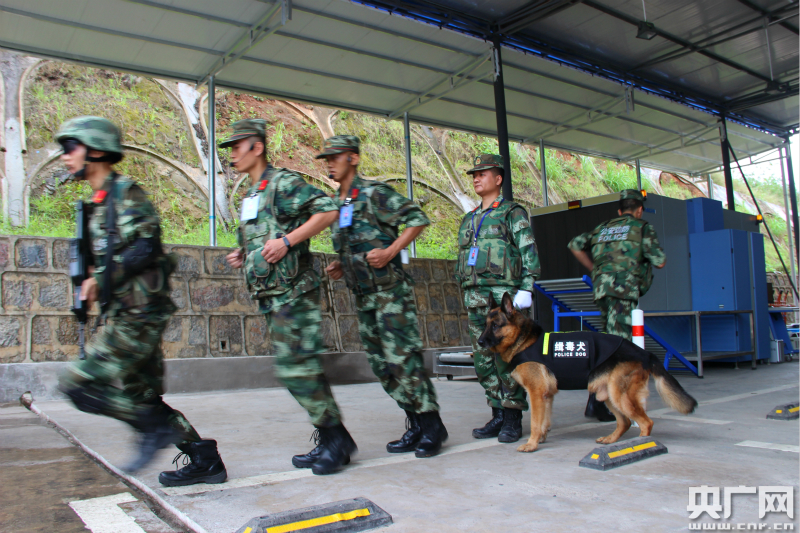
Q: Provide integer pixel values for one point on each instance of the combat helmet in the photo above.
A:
(97, 133)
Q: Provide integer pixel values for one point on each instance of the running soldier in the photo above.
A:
(280, 213)
(131, 281)
(497, 254)
(366, 239)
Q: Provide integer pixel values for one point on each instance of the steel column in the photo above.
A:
(212, 171)
(409, 173)
(543, 170)
(788, 218)
(710, 185)
(502, 121)
(726, 164)
(638, 175)
(792, 199)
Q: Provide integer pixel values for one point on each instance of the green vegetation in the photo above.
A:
(150, 119)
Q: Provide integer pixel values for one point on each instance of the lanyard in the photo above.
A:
(476, 231)
(352, 197)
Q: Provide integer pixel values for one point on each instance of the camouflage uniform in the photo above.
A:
(288, 291)
(508, 261)
(128, 347)
(624, 251)
(387, 314)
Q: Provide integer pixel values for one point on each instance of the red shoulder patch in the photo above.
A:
(355, 193)
(263, 185)
(99, 196)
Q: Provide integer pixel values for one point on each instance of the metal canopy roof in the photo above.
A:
(366, 58)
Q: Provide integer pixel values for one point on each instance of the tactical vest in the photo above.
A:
(572, 356)
(617, 248)
(147, 290)
(499, 261)
(270, 279)
(366, 233)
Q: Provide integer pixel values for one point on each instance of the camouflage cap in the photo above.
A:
(484, 161)
(340, 143)
(632, 194)
(242, 129)
(95, 132)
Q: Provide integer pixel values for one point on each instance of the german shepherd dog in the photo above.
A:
(621, 380)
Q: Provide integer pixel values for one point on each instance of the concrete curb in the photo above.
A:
(174, 514)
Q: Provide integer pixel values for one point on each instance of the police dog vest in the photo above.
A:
(571, 357)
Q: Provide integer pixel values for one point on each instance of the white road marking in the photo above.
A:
(103, 515)
(770, 446)
(271, 479)
(692, 419)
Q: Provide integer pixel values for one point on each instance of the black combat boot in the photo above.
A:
(492, 427)
(308, 459)
(202, 464)
(433, 434)
(337, 445)
(599, 410)
(156, 433)
(408, 442)
(512, 426)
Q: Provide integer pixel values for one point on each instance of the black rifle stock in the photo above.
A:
(80, 260)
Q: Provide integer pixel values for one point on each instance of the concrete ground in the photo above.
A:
(475, 485)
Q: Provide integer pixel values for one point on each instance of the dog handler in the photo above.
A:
(280, 213)
(624, 251)
(497, 254)
(369, 247)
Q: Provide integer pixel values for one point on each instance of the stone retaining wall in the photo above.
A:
(215, 316)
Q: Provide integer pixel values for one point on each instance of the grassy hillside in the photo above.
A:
(149, 118)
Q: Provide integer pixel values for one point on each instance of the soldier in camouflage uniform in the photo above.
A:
(136, 283)
(280, 213)
(623, 251)
(497, 254)
(366, 238)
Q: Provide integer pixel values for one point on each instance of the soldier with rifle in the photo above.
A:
(126, 270)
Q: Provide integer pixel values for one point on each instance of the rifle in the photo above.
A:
(80, 260)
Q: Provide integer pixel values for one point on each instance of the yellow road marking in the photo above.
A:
(594, 456)
(778, 411)
(794, 409)
(248, 530)
(626, 451)
(321, 521)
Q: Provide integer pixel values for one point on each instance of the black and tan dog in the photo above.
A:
(613, 368)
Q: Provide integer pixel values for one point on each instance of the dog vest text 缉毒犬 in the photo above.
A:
(570, 356)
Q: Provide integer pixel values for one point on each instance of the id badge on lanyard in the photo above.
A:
(249, 208)
(473, 256)
(346, 216)
(250, 204)
(346, 211)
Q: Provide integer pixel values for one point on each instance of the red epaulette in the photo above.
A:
(99, 196)
(263, 185)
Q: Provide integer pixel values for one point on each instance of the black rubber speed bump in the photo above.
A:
(358, 514)
(790, 411)
(623, 453)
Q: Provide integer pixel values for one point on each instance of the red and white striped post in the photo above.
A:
(637, 320)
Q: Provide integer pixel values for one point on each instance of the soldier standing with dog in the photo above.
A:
(280, 213)
(620, 253)
(497, 254)
(369, 247)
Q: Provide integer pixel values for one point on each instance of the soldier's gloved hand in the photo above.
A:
(523, 300)
(334, 270)
(236, 258)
